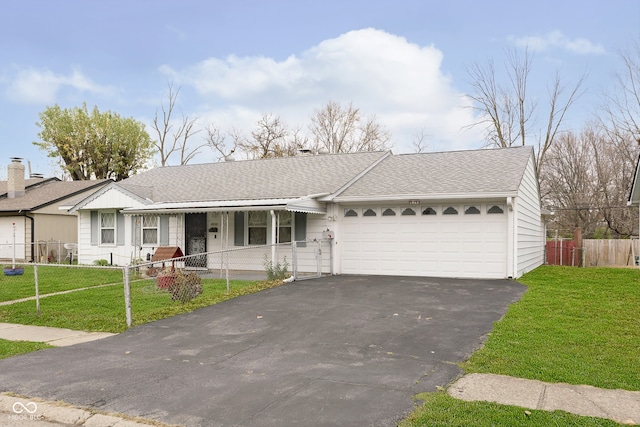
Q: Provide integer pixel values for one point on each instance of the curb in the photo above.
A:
(17, 408)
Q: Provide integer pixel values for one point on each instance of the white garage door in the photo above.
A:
(441, 241)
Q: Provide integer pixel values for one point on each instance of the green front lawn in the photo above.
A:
(103, 309)
(55, 279)
(573, 325)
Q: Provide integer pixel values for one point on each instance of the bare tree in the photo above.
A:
(621, 112)
(586, 179)
(506, 110)
(568, 187)
(173, 136)
(268, 139)
(343, 130)
(217, 141)
(420, 142)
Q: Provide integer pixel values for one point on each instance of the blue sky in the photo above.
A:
(403, 60)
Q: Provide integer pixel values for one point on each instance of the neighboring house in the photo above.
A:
(34, 206)
(634, 191)
(451, 214)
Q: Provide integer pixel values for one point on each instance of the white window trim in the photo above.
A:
(247, 227)
(115, 228)
(157, 228)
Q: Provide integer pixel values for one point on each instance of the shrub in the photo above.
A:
(276, 271)
(185, 287)
(101, 262)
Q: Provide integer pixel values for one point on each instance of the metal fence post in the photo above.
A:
(319, 258)
(226, 270)
(294, 260)
(127, 295)
(35, 275)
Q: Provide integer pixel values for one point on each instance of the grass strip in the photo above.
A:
(14, 348)
(441, 410)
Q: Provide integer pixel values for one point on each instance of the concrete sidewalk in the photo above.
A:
(618, 405)
(57, 337)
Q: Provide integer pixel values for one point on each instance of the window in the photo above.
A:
(150, 230)
(471, 210)
(257, 227)
(450, 211)
(350, 212)
(408, 211)
(108, 228)
(495, 209)
(369, 212)
(429, 211)
(284, 229)
(388, 212)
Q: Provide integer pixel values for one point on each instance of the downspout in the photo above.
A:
(511, 239)
(33, 231)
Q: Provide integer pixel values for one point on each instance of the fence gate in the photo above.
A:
(312, 259)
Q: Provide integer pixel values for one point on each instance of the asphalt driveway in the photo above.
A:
(336, 351)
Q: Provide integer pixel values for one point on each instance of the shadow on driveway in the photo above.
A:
(342, 350)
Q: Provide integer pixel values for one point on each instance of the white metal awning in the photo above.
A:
(299, 204)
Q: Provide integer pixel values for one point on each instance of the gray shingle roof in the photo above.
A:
(253, 179)
(49, 191)
(454, 172)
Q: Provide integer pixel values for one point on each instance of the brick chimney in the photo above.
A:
(15, 178)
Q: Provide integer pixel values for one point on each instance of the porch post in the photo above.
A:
(273, 236)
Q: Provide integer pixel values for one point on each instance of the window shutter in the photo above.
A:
(300, 224)
(119, 229)
(238, 228)
(136, 230)
(95, 228)
(164, 230)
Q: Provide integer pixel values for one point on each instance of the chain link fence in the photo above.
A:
(82, 290)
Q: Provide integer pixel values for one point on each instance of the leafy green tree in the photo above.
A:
(94, 144)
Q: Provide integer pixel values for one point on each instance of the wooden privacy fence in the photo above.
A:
(563, 252)
(610, 252)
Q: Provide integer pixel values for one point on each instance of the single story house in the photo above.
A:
(473, 213)
(31, 209)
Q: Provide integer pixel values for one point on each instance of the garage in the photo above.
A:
(443, 240)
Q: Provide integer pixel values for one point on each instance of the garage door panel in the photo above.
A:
(443, 245)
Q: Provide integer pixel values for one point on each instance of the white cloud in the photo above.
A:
(383, 74)
(32, 86)
(556, 39)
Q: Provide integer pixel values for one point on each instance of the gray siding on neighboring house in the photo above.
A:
(529, 228)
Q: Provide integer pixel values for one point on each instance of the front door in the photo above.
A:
(196, 238)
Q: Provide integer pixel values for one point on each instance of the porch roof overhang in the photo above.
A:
(298, 204)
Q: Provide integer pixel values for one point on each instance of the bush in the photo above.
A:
(101, 262)
(185, 287)
(277, 271)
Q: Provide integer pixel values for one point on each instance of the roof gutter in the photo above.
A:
(438, 196)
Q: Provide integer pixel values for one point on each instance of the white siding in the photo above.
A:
(529, 247)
